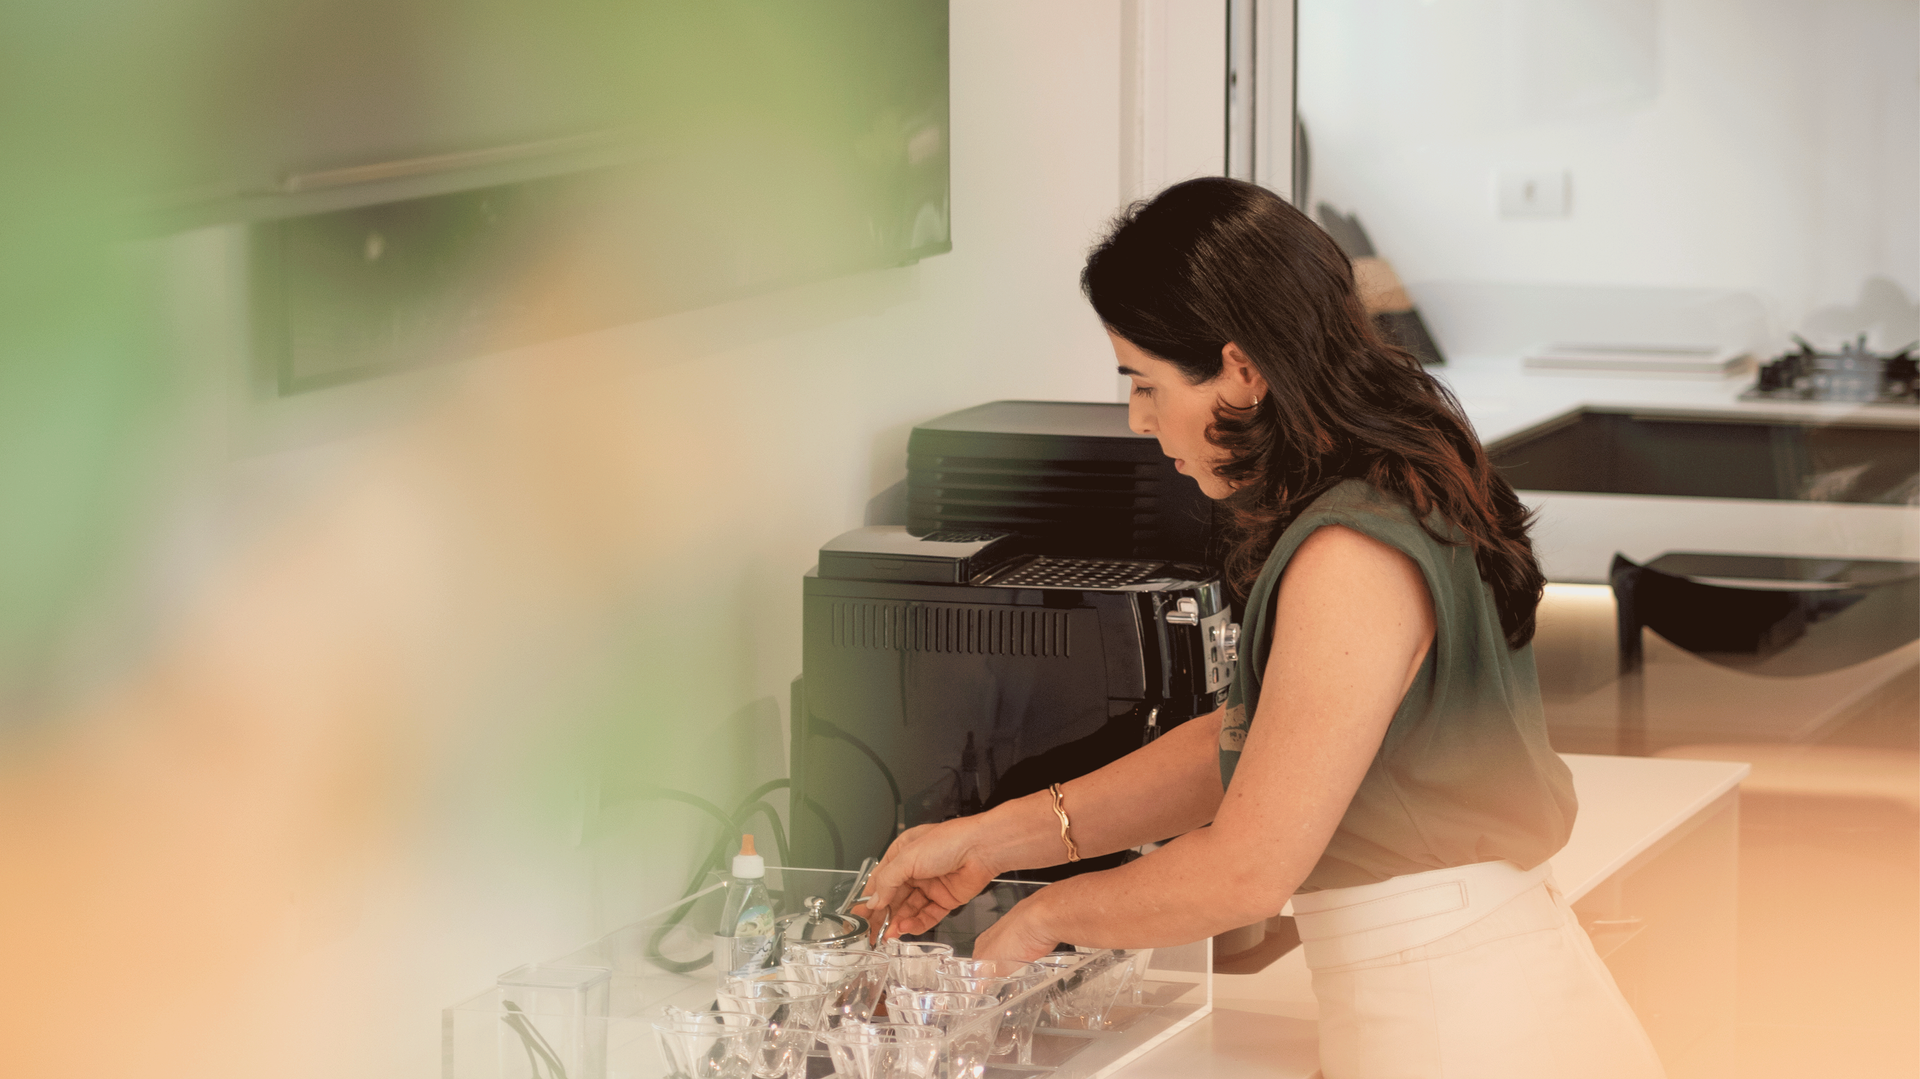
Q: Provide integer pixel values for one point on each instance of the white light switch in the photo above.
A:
(1527, 192)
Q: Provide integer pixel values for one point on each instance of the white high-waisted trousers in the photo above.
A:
(1474, 972)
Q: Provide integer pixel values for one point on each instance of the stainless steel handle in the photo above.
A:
(1186, 612)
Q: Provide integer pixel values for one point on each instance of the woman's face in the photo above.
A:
(1177, 412)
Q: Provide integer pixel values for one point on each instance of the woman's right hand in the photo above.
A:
(929, 871)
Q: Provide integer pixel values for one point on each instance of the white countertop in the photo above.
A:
(1576, 535)
(1262, 1025)
(1626, 805)
(1503, 398)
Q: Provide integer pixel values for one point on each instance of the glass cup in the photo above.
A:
(709, 1045)
(1004, 980)
(1022, 1011)
(1134, 992)
(937, 1009)
(855, 978)
(998, 978)
(970, 1022)
(916, 962)
(1088, 993)
(792, 1010)
(885, 1051)
(1060, 966)
(1064, 970)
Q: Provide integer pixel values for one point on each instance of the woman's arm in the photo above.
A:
(1167, 787)
(1352, 622)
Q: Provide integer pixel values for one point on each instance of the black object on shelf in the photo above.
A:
(1761, 614)
(1392, 310)
(1068, 476)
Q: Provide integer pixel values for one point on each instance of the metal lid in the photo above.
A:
(817, 924)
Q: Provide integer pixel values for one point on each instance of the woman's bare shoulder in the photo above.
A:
(1342, 575)
(1336, 548)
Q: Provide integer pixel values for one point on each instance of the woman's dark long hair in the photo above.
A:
(1215, 261)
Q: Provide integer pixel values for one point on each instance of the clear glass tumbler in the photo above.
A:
(936, 1009)
(792, 1010)
(886, 1051)
(916, 962)
(999, 978)
(709, 1045)
(855, 977)
(1023, 1005)
(1134, 992)
(1087, 995)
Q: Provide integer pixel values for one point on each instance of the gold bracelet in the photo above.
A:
(1073, 852)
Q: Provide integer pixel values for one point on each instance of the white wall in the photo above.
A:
(1173, 102)
(595, 546)
(1762, 145)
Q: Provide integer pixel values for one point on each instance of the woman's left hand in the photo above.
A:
(1021, 934)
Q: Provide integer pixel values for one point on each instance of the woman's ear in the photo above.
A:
(1240, 373)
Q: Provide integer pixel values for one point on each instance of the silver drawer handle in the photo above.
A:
(1186, 612)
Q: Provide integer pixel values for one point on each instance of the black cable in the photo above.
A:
(765, 789)
(660, 933)
(828, 729)
(833, 731)
(667, 794)
(833, 832)
(716, 857)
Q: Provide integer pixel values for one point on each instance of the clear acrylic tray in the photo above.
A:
(510, 1032)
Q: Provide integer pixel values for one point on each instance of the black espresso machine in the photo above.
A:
(952, 670)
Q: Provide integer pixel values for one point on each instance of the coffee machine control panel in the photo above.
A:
(1221, 638)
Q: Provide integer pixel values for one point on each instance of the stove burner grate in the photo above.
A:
(1855, 373)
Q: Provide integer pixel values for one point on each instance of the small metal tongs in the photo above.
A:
(859, 881)
(853, 897)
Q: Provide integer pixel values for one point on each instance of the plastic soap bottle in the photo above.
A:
(746, 919)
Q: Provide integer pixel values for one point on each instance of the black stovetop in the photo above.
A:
(1855, 373)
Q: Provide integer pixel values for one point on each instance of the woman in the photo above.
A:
(1382, 759)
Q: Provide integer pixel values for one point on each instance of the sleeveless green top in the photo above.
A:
(1464, 773)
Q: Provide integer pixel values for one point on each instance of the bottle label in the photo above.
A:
(755, 921)
(743, 953)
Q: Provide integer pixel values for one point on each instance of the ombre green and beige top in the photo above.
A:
(1464, 773)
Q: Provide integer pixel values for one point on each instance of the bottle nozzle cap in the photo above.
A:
(747, 864)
